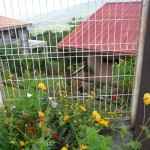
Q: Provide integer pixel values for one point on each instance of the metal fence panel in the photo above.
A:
(85, 48)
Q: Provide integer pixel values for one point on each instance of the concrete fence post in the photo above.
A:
(140, 112)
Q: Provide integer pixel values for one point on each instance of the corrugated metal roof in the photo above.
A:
(113, 27)
(6, 22)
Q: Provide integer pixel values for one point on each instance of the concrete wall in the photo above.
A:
(102, 70)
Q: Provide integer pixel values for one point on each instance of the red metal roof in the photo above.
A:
(114, 27)
(6, 22)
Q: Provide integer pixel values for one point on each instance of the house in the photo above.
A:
(16, 32)
(107, 35)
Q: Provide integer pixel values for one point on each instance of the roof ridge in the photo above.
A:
(7, 22)
(12, 18)
(121, 2)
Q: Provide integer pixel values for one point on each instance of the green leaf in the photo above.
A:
(134, 145)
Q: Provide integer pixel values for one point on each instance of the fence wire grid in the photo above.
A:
(85, 48)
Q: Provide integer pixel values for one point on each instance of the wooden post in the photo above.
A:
(144, 85)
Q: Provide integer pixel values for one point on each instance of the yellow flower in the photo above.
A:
(83, 147)
(96, 116)
(59, 113)
(40, 126)
(95, 113)
(82, 108)
(66, 118)
(64, 148)
(41, 115)
(11, 76)
(146, 98)
(104, 122)
(146, 102)
(41, 86)
(22, 143)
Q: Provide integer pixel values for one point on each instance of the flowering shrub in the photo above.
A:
(38, 121)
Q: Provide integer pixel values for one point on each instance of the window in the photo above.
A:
(14, 34)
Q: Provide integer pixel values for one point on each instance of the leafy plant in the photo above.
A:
(37, 121)
(124, 74)
(91, 137)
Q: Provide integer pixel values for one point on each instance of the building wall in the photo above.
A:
(102, 70)
(21, 38)
(84, 75)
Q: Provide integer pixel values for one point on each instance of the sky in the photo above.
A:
(24, 9)
(28, 8)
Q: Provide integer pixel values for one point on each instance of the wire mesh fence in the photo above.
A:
(83, 49)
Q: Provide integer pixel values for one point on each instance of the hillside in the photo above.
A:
(58, 20)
